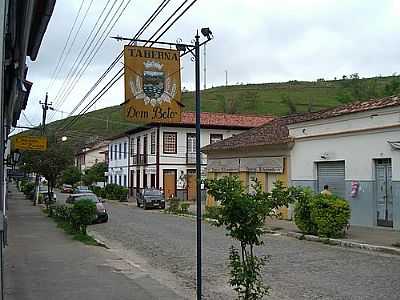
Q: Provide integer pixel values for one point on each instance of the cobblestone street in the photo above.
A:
(297, 269)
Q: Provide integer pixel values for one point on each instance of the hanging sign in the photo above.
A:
(34, 143)
(152, 85)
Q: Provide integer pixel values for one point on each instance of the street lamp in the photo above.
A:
(16, 156)
(64, 139)
(194, 49)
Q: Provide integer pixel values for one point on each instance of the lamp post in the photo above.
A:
(193, 49)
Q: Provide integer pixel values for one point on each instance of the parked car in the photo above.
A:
(81, 189)
(101, 212)
(67, 188)
(43, 191)
(150, 198)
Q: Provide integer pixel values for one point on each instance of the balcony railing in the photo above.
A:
(139, 159)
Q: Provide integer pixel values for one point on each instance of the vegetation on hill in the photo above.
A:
(268, 98)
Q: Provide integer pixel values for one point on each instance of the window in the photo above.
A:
(111, 152)
(215, 138)
(132, 147)
(110, 179)
(145, 145)
(124, 180)
(115, 179)
(125, 149)
(120, 151)
(138, 145)
(169, 140)
(115, 151)
(119, 182)
(191, 143)
(153, 143)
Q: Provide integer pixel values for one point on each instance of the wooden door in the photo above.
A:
(169, 183)
(191, 185)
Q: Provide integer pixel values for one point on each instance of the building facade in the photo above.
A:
(89, 156)
(118, 151)
(356, 153)
(164, 155)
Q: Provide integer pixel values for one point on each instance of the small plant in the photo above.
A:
(243, 216)
(184, 208)
(174, 205)
(83, 213)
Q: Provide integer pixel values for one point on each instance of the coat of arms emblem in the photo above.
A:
(154, 86)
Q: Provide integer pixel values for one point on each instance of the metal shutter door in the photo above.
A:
(332, 174)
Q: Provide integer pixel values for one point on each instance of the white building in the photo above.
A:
(118, 160)
(163, 155)
(89, 156)
(353, 149)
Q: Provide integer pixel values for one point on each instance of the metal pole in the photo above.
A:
(198, 165)
(205, 67)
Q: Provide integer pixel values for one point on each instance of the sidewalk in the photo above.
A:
(42, 262)
(358, 234)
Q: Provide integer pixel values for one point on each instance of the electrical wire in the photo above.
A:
(137, 35)
(74, 65)
(120, 73)
(73, 81)
(65, 47)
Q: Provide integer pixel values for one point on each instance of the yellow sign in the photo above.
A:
(152, 85)
(35, 143)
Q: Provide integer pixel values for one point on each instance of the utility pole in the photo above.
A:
(45, 107)
(226, 77)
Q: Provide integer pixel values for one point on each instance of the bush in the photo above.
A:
(330, 215)
(185, 207)
(174, 205)
(302, 211)
(114, 191)
(212, 212)
(28, 188)
(63, 213)
(83, 213)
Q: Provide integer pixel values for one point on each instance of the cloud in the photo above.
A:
(256, 41)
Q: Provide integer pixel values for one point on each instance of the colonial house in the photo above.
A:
(118, 160)
(164, 155)
(259, 155)
(354, 149)
(91, 155)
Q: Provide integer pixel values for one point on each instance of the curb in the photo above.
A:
(98, 240)
(340, 243)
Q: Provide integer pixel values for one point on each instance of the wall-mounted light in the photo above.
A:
(16, 156)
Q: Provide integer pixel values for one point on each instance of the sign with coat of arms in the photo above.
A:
(152, 85)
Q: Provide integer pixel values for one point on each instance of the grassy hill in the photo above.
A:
(269, 98)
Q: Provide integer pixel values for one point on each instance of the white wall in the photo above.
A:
(357, 149)
(93, 156)
(118, 166)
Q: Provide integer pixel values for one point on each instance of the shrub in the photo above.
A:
(302, 211)
(174, 205)
(185, 207)
(114, 191)
(83, 213)
(330, 215)
(212, 212)
(28, 188)
(63, 213)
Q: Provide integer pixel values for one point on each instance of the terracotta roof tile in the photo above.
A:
(222, 119)
(276, 132)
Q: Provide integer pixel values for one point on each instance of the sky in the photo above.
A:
(255, 41)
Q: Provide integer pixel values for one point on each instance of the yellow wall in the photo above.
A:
(266, 181)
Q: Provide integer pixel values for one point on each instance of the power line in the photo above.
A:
(73, 67)
(120, 73)
(141, 30)
(71, 82)
(65, 46)
(27, 120)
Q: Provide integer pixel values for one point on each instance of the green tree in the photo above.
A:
(71, 175)
(392, 87)
(243, 216)
(50, 163)
(95, 174)
(288, 101)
